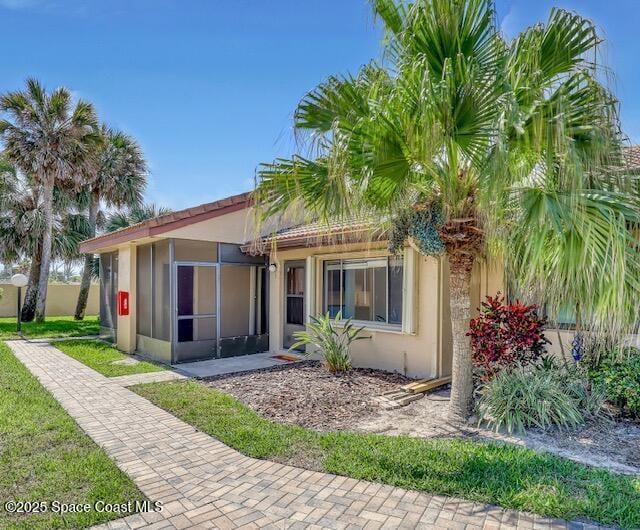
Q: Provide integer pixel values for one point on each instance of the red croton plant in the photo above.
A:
(506, 334)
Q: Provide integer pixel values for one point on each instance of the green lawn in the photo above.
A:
(45, 456)
(505, 475)
(53, 327)
(100, 356)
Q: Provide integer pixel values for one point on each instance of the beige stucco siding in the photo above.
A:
(126, 332)
(61, 299)
(236, 227)
(425, 352)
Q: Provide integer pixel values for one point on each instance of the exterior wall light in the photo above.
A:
(273, 267)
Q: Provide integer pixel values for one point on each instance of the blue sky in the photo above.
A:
(208, 87)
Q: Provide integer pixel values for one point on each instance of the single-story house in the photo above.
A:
(196, 286)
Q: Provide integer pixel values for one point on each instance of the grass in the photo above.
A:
(100, 356)
(53, 327)
(46, 457)
(505, 475)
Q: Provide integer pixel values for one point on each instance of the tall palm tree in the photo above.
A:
(22, 228)
(131, 216)
(507, 147)
(120, 179)
(52, 139)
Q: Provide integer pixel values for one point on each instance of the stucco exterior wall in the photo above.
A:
(61, 299)
(561, 342)
(425, 352)
(126, 331)
(236, 227)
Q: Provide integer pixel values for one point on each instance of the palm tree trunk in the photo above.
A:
(29, 307)
(43, 281)
(462, 367)
(85, 283)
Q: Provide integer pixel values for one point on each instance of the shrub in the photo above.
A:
(588, 395)
(521, 397)
(620, 377)
(332, 337)
(505, 335)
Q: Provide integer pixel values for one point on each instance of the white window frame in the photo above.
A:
(368, 324)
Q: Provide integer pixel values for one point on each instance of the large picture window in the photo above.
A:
(369, 290)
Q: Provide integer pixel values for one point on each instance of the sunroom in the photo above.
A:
(191, 293)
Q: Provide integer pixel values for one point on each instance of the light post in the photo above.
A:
(19, 280)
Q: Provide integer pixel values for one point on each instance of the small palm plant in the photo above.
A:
(333, 338)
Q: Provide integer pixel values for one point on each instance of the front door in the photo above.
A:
(294, 314)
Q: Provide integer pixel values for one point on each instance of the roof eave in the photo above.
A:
(153, 228)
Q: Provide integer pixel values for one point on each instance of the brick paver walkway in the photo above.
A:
(205, 484)
(148, 377)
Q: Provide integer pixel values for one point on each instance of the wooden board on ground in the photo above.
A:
(424, 385)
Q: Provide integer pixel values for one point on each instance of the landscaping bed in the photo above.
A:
(606, 443)
(502, 474)
(106, 359)
(306, 394)
(46, 457)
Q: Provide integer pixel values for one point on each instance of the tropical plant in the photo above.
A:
(332, 338)
(22, 229)
(620, 376)
(52, 140)
(521, 397)
(131, 216)
(119, 180)
(510, 144)
(504, 335)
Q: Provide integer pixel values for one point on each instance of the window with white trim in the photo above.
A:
(367, 290)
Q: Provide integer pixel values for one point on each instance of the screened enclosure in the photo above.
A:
(200, 300)
(108, 293)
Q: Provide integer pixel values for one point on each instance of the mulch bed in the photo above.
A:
(306, 394)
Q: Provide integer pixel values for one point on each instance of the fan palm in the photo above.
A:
(511, 145)
(22, 227)
(131, 216)
(120, 179)
(51, 139)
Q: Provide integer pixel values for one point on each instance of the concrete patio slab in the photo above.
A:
(149, 377)
(229, 365)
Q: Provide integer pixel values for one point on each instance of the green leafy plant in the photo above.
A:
(520, 397)
(620, 378)
(517, 141)
(332, 337)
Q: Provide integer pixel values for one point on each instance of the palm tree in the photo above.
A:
(505, 148)
(119, 181)
(22, 228)
(49, 138)
(131, 216)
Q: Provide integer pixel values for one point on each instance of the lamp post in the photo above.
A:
(19, 280)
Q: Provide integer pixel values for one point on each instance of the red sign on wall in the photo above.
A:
(123, 303)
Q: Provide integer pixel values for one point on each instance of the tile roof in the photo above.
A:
(319, 233)
(167, 222)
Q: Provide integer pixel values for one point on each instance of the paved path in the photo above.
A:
(148, 377)
(228, 365)
(205, 484)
